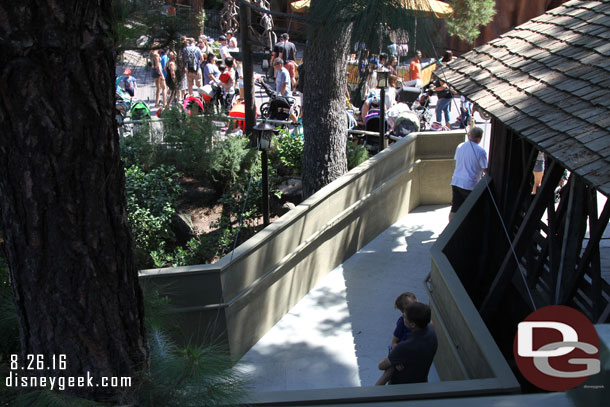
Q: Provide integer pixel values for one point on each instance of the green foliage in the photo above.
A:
(188, 142)
(287, 153)
(468, 17)
(41, 398)
(228, 159)
(356, 155)
(139, 151)
(151, 202)
(177, 376)
(189, 376)
(367, 16)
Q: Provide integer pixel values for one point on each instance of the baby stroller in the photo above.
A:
(193, 106)
(210, 97)
(278, 107)
(139, 111)
(372, 124)
(419, 101)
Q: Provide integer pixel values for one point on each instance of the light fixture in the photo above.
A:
(382, 79)
(264, 133)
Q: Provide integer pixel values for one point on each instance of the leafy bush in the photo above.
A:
(183, 141)
(287, 155)
(228, 159)
(151, 203)
(356, 155)
(137, 150)
(187, 142)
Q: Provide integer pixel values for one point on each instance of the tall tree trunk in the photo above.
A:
(324, 118)
(62, 193)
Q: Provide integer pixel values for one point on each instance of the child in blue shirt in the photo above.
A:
(400, 332)
(129, 82)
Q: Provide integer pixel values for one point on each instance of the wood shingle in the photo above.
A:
(549, 81)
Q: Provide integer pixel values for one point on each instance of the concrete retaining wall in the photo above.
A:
(238, 299)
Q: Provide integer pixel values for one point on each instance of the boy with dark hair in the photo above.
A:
(401, 331)
(410, 361)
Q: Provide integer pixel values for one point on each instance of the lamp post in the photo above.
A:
(264, 132)
(382, 83)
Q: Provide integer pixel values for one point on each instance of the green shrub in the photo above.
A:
(151, 203)
(137, 150)
(287, 153)
(228, 159)
(356, 155)
(187, 142)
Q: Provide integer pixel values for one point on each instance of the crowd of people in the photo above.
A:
(370, 65)
(176, 75)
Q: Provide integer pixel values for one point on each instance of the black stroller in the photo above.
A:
(278, 107)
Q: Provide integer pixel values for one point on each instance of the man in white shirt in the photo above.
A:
(224, 48)
(470, 164)
(282, 78)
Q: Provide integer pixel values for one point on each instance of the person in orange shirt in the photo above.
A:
(415, 71)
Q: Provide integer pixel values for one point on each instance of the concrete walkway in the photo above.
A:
(337, 334)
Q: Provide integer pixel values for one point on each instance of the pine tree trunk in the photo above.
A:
(62, 193)
(324, 117)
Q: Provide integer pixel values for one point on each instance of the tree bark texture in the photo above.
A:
(62, 192)
(324, 104)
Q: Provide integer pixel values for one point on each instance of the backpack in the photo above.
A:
(279, 109)
(191, 59)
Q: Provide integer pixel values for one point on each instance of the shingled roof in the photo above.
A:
(549, 80)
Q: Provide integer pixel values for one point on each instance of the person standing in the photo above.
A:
(288, 53)
(171, 79)
(210, 70)
(538, 172)
(129, 82)
(157, 74)
(282, 79)
(470, 165)
(415, 71)
(224, 48)
(443, 103)
(191, 56)
(231, 40)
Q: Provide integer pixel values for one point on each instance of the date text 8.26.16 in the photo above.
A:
(38, 362)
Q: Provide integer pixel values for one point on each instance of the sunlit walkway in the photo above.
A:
(336, 335)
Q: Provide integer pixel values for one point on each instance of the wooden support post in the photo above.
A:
(522, 239)
(248, 70)
(524, 189)
(590, 254)
(574, 232)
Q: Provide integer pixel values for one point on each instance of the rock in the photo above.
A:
(291, 189)
(182, 226)
(288, 206)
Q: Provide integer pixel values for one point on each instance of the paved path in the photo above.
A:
(337, 334)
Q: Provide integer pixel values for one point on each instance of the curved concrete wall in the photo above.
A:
(238, 299)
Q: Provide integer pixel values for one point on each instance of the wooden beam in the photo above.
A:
(524, 190)
(573, 235)
(522, 239)
(591, 252)
(553, 242)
